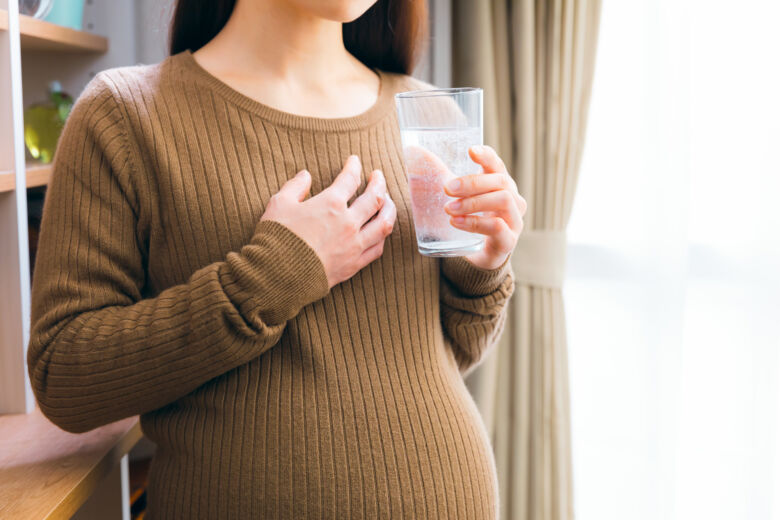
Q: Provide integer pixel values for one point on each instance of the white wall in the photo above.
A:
(152, 18)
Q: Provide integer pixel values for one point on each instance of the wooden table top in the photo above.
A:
(46, 472)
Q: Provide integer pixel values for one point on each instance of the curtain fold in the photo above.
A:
(535, 59)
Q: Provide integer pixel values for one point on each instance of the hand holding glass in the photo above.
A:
(437, 128)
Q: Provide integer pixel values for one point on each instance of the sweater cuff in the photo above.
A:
(291, 274)
(472, 280)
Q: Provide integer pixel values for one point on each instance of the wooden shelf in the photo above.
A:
(7, 181)
(37, 175)
(38, 35)
(48, 473)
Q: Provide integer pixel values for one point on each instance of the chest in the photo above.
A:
(213, 186)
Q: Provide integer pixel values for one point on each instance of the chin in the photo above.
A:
(337, 10)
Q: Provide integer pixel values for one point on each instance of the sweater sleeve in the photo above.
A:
(473, 307)
(98, 351)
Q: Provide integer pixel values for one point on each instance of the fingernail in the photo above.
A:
(454, 185)
(478, 148)
(455, 204)
(301, 173)
(459, 220)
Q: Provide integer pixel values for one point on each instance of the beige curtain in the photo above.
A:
(535, 60)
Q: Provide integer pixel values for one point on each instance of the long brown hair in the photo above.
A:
(388, 36)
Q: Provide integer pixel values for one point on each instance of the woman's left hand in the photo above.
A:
(495, 194)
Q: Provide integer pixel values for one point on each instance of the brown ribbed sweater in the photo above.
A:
(158, 291)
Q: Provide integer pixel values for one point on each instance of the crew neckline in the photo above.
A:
(384, 102)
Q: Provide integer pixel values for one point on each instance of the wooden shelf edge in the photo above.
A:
(36, 174)
(7, 181)
(39, 35)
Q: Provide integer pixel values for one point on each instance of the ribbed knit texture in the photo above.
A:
(158, 291)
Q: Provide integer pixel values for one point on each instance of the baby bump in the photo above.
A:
(298, 438)
(356, 447)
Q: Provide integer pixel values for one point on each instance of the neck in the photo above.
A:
(276, 37)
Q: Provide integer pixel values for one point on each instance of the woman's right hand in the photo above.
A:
(346, 238)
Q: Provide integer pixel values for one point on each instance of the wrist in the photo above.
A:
(472, 279)
(280, 271)
(487, 263)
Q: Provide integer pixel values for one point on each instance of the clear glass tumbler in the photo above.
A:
(437, 128)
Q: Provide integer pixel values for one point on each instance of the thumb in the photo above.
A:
(298, 186)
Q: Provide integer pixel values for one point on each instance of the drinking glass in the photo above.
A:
(437, 128)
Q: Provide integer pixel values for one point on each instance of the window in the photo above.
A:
(673, 280)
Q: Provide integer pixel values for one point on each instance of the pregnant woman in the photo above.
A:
(227, 250)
